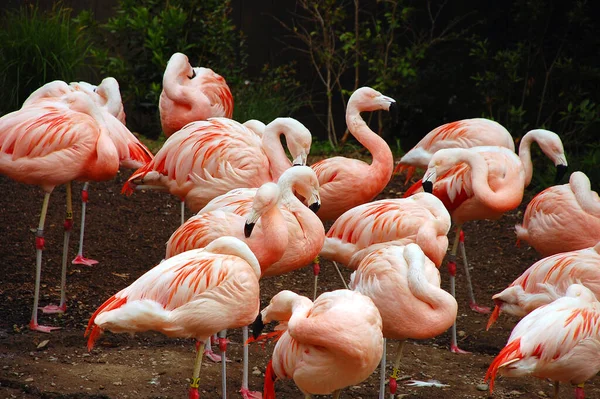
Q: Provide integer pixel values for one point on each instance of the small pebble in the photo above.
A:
(482, 387)
(256, 372)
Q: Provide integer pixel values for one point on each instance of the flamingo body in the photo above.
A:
(191, 94)
(192, 295)
(559, 341)
(548, 279)
(562, 218)
(405, 286)
(327, 345)
(421, 218)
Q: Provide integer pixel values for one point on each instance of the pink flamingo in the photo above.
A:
(547, 280)
(53, 143)
(559, 341)
(192, 295)
(324, 346)
(339, 176)
(209, 158)
(132, 153)
(562, 218)
(305, 232)
(478, 132)
(474, 183)
(405, 286)
(191, 94)
(464, 133)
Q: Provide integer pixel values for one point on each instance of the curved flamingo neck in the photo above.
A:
(271, 144)
(441, 302)
(586, 198)
(525, 155)
(383, 160)
(275, 235)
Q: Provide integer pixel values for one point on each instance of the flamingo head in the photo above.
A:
(267, 196)
(368, 99)
(297, 137)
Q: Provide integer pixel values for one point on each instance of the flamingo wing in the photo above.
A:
(217, 91)
(238, 201)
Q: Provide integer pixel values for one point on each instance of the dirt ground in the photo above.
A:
(128, 234)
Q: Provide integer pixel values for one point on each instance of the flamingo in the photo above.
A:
(305, 232)
(191, 94)
(479, 132)
(464, 133)
(53, 143)
(474, 183)
(324, 346)
(559, 341)
(209, 158)
(339, 176)
(132, 153)
(405, 286)
(192, 295)
(547, 280)
(562, 218)
(268, 243)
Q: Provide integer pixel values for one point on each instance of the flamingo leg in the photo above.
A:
(316, 270)
(39, 245)
(208, 349)
(556, 386)
(80, 259)
(579, 394)
(246, 393)
(336, 394)
(473, 304)
(452, 270)
(382, 370)
(62, 307)
(396, 371)
(182, 211)
(193, 392)
(223, 348)
(340, 274)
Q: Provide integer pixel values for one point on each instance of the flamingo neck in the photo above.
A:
(271, 144)
(275, 233)
(586, 198)
(383, 160)
(525, 156)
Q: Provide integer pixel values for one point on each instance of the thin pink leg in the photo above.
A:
(452, 270)
(473, 303)
(245, 391)
(39, 246)
(80, 259)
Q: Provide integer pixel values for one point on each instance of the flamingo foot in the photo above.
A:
(456, 349)
(193, 393)
(81, 260)
(51, 309)
(45, 329)
(247, 394)
(213, 356)
(480, 309)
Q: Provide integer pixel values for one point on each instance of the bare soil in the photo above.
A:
(128, 234)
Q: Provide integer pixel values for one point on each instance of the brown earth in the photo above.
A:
(128, 234)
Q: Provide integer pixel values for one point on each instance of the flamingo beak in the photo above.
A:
(561, 169)
(257, 326)
(300, 160)
(248, 227)
(428, 186)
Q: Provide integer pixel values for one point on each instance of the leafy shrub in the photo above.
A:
(36, 48)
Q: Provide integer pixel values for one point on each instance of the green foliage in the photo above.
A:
(36, 48)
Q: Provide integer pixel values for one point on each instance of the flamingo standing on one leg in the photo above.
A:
(53, 143)
(405, 286)
(305, 231)
(547, 280)
(326, 345)
(192, 295)
(562, 218)
(474, 183)
(191, 94)
(559, 341)
(209, 158)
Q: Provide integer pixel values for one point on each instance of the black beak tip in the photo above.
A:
(560, 172)
(248, 227)
(297, 164)
(428, 187)
(394, 112)
(315, 206)
(257, 326)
